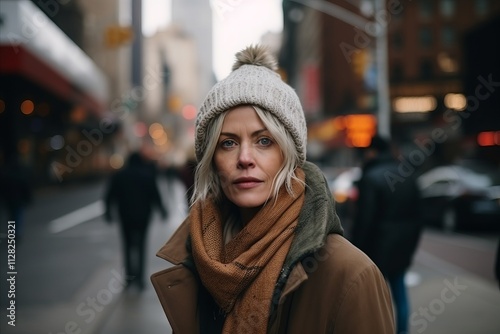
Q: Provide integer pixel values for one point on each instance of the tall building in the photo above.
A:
(427, 64)
(195, 18)
(318, 56)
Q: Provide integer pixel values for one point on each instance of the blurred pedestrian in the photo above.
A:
(136, 193)
(262, 249)
(16, 192)
(387, 225)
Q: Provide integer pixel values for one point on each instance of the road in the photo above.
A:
(70, 279)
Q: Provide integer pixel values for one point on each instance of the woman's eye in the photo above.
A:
(265, 141)
(228, 143)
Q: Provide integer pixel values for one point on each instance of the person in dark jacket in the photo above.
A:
(387, 226)
(135, 192)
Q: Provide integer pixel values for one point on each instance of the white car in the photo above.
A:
(456, 196)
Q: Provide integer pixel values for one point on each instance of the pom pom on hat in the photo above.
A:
(255, 55)
(254, 81)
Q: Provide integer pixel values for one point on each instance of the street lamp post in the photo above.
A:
(384, 110)
(137, 43)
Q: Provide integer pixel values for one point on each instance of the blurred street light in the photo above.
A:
(360, 61)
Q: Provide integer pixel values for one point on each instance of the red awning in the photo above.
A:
(34, 48)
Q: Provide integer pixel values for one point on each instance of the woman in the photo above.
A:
(262, 248)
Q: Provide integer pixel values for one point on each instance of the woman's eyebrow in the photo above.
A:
(255, 133)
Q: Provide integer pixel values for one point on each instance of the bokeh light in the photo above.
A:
(27, 107)
(116, 161)
(56, 142)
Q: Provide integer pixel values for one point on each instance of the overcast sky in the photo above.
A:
(236, 24)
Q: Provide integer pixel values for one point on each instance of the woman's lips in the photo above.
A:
(247, 183)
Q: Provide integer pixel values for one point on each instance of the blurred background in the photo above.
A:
(84, 83)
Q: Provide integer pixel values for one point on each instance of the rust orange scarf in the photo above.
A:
(241, 274)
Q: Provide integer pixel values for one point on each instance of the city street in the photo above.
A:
(401, 89)
(70, 279)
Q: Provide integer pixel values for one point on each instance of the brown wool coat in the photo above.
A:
(339, 290)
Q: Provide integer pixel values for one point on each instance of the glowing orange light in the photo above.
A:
(360, 129)
(156, 130)
(27, 107)
(174, 103)
(161, 140)
(340, 197)
(497, 138)
(486, 138)
(360, 122)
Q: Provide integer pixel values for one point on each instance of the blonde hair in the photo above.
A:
(207, 183)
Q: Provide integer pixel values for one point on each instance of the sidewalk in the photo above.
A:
(448, 299)
(140, 311)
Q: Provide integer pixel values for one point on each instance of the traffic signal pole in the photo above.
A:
(137, 43)
(384, 108)
(338, 12)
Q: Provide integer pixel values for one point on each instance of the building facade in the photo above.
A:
(426, 64)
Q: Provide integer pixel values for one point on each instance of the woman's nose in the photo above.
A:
(246, 157)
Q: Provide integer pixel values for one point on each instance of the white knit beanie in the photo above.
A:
(254, 81)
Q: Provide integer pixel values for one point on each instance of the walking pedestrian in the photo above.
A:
(135, 192)
(262, 250)
(387, 225)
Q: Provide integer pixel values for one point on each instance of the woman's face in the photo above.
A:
(247, 158)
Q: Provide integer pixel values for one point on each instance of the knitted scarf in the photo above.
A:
(241, 275)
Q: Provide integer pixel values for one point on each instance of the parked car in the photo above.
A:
(461, 196)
